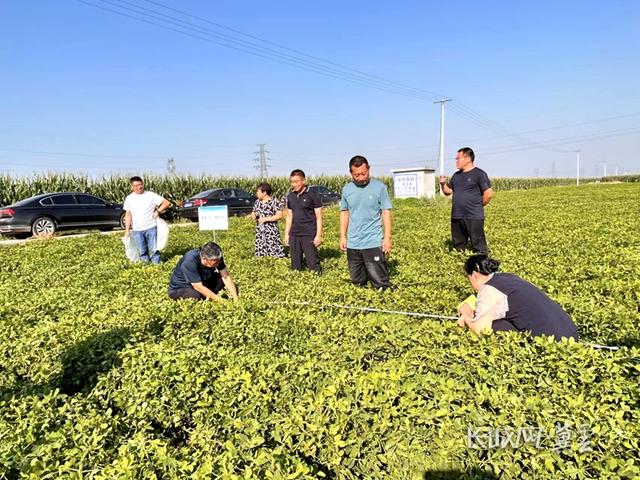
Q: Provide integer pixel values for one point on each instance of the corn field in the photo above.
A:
(177, 188)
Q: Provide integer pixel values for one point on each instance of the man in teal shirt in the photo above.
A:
(365, 226)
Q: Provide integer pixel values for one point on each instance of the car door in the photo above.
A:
(321, 192)
(67, 211)
(228, 198)
(244, 201)
(325, 195)
(95, 211)
(215, 198)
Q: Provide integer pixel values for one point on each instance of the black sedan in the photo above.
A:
(47, 213)
(238, 202)
(327, 196)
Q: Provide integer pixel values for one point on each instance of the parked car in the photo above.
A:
(47, 213)
(328, 197)
(238, 202)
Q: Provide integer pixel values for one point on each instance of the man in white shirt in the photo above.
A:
(142, 208)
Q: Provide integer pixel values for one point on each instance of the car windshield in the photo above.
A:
(206, 193)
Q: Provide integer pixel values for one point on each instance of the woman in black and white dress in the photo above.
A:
(266, 212)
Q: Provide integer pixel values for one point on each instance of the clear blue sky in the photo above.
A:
(84, 89)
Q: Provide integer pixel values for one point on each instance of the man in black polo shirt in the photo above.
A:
(471, 190)
(200, 274)
(303, 228)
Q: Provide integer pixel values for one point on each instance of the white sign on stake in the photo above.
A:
(213, 218)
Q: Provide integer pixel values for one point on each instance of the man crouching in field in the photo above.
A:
(201, 274)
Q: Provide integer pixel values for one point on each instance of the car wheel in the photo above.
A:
(122, 225)
(43, 226)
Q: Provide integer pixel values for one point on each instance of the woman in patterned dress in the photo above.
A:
(266, 212)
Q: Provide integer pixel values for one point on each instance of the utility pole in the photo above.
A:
(577, 168)
(442, 102)
(171, 166)
(616, 170)
(604, 166)
(261, 160)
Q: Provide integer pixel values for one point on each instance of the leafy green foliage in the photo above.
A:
(102, 376)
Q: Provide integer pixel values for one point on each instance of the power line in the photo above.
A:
(568, 140)
(187, 29)
(200, 160)
(494, 126)
(477, 139)
(279, 53)
(507, 149)
(284, 47)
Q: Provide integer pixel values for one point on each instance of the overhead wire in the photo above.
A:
(492, 125)
(468, 140)
(523, 147)
(203, 33)
(382, 161)
(568, 140)
(298, 52)
(296, 58)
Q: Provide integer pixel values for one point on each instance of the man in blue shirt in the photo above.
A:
(200, 274)
(365, 226)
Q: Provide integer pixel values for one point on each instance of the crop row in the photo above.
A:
(177, 188)
(102, 376)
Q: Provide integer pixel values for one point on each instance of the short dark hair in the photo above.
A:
(468, 152)
(265, 187)
(482, 264)
(358, 161)
(210, 251)
(135, 179)
(297, 173)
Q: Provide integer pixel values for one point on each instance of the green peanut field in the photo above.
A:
(102, 376)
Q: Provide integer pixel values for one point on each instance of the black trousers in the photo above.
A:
(303, 245)
(215, 285)
(465, 231)
(368, 264)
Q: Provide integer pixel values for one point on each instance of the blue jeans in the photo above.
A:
(146, 242)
